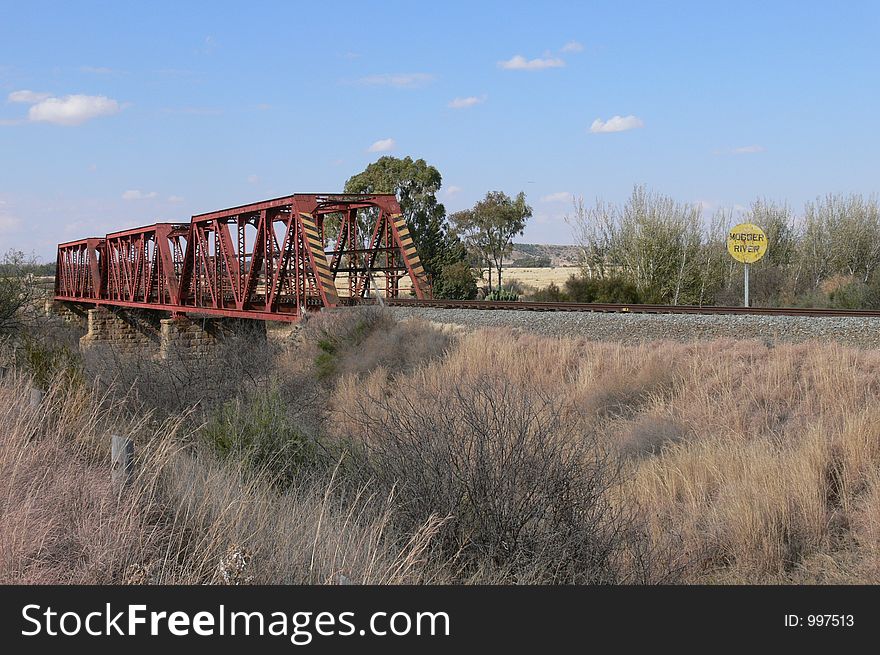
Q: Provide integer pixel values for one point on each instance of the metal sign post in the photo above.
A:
(746, 243)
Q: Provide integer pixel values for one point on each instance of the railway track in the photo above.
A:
(492, 305)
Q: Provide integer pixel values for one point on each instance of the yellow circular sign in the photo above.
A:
(747, 243)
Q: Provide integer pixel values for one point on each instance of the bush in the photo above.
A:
(532, 262)
(515, 286)
(527, 495)
(579, 288)
(259, 431)
(840, 292)
(45, 360)
(605, 290)
(853, 295)
(550, 293)
(648, 435)
(358, 340)
(17, 290)
(236, 363)
(769, 286)
(502, 295)
(456, 282)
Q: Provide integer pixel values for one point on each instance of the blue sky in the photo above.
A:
(115, 114)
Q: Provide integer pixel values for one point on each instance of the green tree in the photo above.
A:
(17, 290)
(777, 222)
(774, 278)
(650, 240)
(841, 235)
(415, 183)
(488, 228)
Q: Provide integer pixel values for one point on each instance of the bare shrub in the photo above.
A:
(179, 382)
(58, 331)
(406, 345)
(48, 347)
(527, 494)
(18, 291)
(767, 475)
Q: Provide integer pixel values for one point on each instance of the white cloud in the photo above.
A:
(452, 191)
(572, 46)
(561, 196)
(518, 62)
(382, 145)
(544, 219)
(175, 199)
(399, 80)
(27, 96)
(616, 124)
(470, 101)
(72, 110)
(136, 194)
(747, 150)
(253, 179)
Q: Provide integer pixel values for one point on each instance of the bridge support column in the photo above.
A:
(67, 312)
(121, 330)
(187, 338)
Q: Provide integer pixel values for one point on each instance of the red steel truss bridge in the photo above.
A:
(268, 260)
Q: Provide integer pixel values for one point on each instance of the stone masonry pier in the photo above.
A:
(133, 331)
(67, 312)
(188, 338)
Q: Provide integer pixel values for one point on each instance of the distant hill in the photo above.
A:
(558, 255)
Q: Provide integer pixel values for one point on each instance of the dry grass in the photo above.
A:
(739, 462)
(60, 521)
(537, 277)
(359, 340)
(186, 518)
(761, 463)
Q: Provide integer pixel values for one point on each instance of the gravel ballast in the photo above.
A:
(862, 331)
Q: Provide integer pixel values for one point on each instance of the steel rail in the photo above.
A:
(493, 305)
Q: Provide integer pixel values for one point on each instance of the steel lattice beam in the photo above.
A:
(266, 260)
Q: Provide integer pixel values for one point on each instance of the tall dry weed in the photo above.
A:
(61, 521)
(759, 460)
